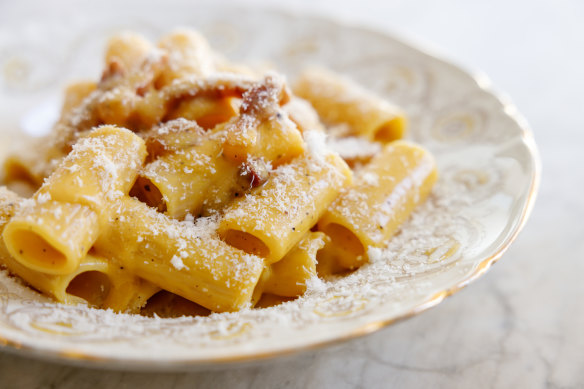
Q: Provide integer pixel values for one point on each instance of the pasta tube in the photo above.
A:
(288, 277)
(55, 231)
(385, 193)
(95, 281)
(303, 114)
(327, 264)
(171, 137)
(188, 261)
(51, 236)
(189, 55)
(101, 168)
(128, 49)
(33, 165)
(276, 140)
(75, 94)
(263, 129)
(274, 217)
(20, 168)
(207, 111)
(222, 193)
(339, 100)
(178, 184)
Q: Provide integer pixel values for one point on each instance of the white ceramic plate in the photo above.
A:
(486, 156)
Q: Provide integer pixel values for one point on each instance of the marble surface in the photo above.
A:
(520, 326)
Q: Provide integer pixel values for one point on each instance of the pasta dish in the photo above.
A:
(181, 183)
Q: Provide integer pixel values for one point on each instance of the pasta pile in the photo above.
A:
(180, 183)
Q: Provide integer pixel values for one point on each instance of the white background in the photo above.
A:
(520, 326)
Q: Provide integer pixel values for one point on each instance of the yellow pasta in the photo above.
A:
(128, 293)
(327, 262)
(338, 100)
(22, 168)
(182, 184)
(189, 262)
(171, 137)
(51, 236)
(277, 141)
(33, 165)
(273, 218)
(190, 55)
(95, 282)
(289, 276)
(214, 165)
(128, 49)
(101, 168)
(75, 94)
(303, 114)
(60, 225)
(152, 108)
(178, 184)
(263, 129)
(383, 196)
(207, 111)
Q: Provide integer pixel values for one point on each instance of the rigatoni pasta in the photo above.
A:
(51, 236)
(180, 183)
(189, 55)
(182, 258)
(95, 281)
(289, 276)
(64, 218)
(270, 220)
(340, 101)
(385, 193)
